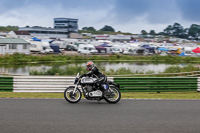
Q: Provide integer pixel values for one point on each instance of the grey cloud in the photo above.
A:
(130, 8)
(155, 11)
(65, 4)
(190, 9)
(7, 5)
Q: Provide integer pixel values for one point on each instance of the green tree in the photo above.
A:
(185, 33)
(177, 30)
(88, 29)
(168, 30)
(143, 32)
(107, 28)
(8, 28)
(152, 32)
(84, 28)
(194, 31)
(91, 29)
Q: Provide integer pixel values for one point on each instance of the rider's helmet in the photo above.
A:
(90, 65)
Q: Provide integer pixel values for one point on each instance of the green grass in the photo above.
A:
(56, 70)
(72, 70)
(142, 95)
(177, 69)
(26, 59)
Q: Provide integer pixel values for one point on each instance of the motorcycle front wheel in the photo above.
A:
(113, 95)
(72, 98)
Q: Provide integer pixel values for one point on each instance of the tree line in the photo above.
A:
(176, 30)
(8, 28)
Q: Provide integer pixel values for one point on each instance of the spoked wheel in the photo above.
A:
(113, 95)
(72, 98)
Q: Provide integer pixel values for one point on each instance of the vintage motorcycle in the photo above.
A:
(90, 90)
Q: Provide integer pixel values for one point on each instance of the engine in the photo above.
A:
(96, 93)
(91, 92)
(89, 88)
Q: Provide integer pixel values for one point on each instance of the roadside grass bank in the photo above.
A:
(142, 95)
(25, 59)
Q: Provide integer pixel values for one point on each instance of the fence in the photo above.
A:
(6, 84)
(42, 83)
(127, 84)
(157, 84)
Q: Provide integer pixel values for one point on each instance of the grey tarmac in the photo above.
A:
(127, 116)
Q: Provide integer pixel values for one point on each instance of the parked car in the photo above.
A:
(114, 50)
(71, 47)
(87, 49)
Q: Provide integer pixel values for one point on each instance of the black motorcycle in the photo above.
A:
(91, 91)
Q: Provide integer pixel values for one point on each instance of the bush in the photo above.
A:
(73, 70)
(177, 69)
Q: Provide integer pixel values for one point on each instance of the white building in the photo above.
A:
(19, 34)
(101, 37)
(46, 32)
(12, 45)
(3, 34)
(120, 38)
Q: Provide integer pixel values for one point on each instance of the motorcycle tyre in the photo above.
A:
(113, 102)
(70, 100)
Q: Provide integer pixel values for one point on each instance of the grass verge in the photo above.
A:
(26, 59)
(72, 70)
(142, 95)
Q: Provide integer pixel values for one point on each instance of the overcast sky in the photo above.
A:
(123, 15)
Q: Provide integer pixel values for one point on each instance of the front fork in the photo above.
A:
(75, 89)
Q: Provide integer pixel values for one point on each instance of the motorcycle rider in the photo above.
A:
(94, 72)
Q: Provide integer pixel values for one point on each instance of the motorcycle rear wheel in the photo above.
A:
(70, 97)
(113, 96)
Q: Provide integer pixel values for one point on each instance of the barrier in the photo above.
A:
(198, 84)
(43, 83)
(156, 84)
(6, 84)
(127, 84)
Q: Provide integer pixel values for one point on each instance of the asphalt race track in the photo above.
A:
(128, 116)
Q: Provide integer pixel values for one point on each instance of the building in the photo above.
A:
(41, 32)
(66, 23)
(3, 34)
(101, 37)
(119, 38)
(13, 45)
(75, 36)
(19, 34)
(62, 29)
